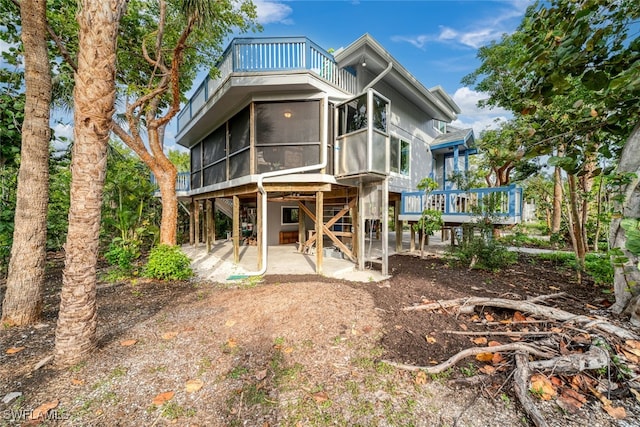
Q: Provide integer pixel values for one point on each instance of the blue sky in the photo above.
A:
(436, 40)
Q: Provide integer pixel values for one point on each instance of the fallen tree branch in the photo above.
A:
(521, 387)
(534, 309)
(500, 333)
(471, 352)
(595, 358)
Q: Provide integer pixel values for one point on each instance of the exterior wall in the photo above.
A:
(408, 123)
(274, 222)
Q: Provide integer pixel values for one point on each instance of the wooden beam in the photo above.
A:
(397, 224)
(412, 239)
(331, 234)
(196, 222)
(300, 187)
(236, 229)
(355, 223)
(319, 228)
(302, 227)
(259, 228)
(191, 223)
(208, 219)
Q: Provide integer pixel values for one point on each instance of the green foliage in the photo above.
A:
(598, 266)
(483, 252)
(631, 227)
(168, 263)
(180, 159)
(122, 254)
(58, 208)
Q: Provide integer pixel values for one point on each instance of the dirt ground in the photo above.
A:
(291, 351)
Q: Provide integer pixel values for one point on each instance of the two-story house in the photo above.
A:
(301, 145)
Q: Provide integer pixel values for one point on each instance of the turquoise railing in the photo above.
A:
(494, 201)
(268, 54)
(183, 181)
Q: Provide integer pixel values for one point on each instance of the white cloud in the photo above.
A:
(478, 33)
(62, 130)
(273, 12)
(473, 116)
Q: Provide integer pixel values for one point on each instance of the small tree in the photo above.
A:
(431, 220)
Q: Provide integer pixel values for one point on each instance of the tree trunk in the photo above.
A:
(627, 276)
(556, 219)
(94, 96)
(576, 224)
(23, 298)
(169, 223)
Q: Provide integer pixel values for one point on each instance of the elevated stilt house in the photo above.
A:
(301, 146)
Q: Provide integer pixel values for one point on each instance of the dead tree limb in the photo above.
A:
(501, 333)
(595, 358)
(534, 310)
(521, 387)
(472, 352)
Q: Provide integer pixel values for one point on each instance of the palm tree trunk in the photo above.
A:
(23, 299)
(169, 222)
(94, 97)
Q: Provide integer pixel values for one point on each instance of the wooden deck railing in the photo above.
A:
(268, 54)
(502, 203)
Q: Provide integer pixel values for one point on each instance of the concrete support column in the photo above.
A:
(235, 227)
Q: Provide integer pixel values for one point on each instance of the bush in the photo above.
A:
(485, 254)
(599, 268)
(122, 253)
(168, 263)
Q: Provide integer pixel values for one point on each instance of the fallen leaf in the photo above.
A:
(519, 317)
(494, 343)
(232, 343)
(475, 318)
(497, 359)
(593, 113)
(554, 288)
(229, 323)
(463, 327)
(420, 378)
(633, 344)
(555, 381)
(556, 330)
(288, 350)
(635, 393)
(320, 396)
(430, 339)
(260, 375)
(542, 387)
(616, 412)
(169, 335)
(591, 307)
(189, 329)
(14, 350)
(635, 351)
(193, 385)
(480, 341)
(76, 381)
(160, 399)
(487, 369)
(630, 356)
(484, 357)
(489, 317)
(570, 400)
(42, 410)
(563, 347)
(127, 343)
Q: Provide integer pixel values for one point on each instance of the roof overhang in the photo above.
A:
(366, 49)
(447, 143)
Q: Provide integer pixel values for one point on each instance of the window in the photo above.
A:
(289, 215)
(440, 126)
(353, 115)
(400, 156)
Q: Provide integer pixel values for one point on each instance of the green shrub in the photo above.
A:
(485, 254)
(168, 263)
(122, 253)
(599, 268)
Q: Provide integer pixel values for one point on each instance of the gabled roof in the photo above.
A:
(463, 138)
(438, 104)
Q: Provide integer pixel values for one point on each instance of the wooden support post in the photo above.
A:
(302, 227)
(319, 234)
(236, 229)
(355, 223)
(384, 225)
(397, 224)
(192, 228)
(361, 227)
(196, 222)
(412, 240)
(208, 215)
(259, 228)
(213, 221)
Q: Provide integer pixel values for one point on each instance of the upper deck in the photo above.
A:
(281, 54)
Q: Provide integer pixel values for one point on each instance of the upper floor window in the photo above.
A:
(400, 156)
(353, 114)
(440, 126)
